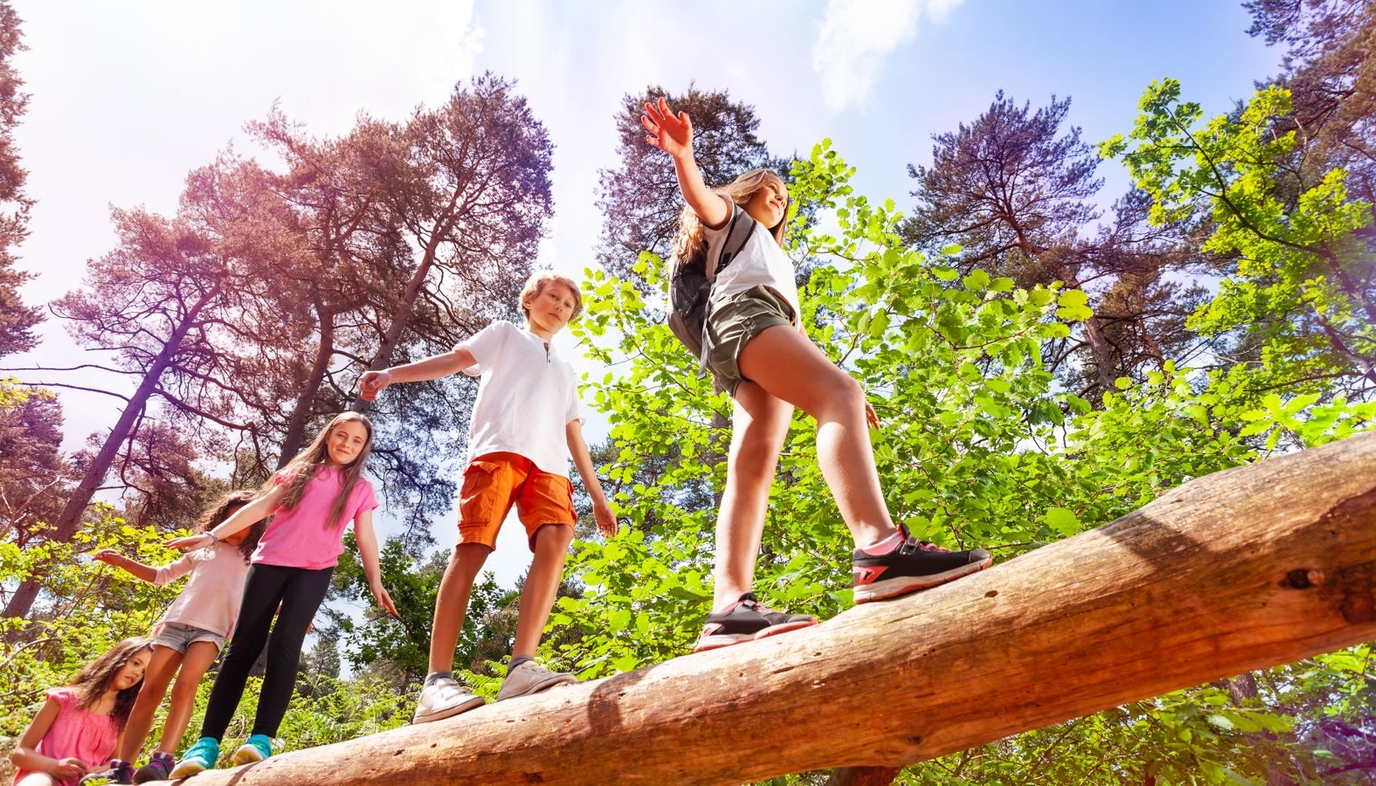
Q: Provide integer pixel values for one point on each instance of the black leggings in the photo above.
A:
(300, 593)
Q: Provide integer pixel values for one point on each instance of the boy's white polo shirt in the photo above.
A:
(526, 396)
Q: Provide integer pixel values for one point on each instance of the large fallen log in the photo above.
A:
(1240, 570)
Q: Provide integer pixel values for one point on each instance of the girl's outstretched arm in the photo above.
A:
(25, 755)
(243, 518)
(673, 133)
(136, 569)
(602, 511)
(367, 550)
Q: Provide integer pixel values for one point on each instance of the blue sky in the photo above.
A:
(128, 97)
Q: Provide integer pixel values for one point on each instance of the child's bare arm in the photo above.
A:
(136, 569)
(602, 511)
(25, 755)
(244, 517)
(673, 133)
(367, 551)
(443, 365)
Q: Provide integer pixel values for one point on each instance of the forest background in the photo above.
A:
(1056, 320)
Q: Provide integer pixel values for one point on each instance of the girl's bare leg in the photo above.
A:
(161, 667)
(787, 365)
(199, 656)
(759, 426)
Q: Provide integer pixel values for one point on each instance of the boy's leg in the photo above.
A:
(541, 587)
(451, 605)
(545, 502)
(161, 666)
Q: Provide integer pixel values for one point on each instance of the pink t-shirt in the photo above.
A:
(210, 599)
(298, 538)
(76, 733)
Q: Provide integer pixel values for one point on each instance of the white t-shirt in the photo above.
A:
(760, 263)
(526, 396)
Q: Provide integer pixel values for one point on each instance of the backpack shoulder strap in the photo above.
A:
(737, 233)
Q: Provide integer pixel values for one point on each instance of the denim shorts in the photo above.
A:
(176, 636)
(733, 322)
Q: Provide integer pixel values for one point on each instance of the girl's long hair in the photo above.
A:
(223, 509)
(308, 462)
(690, 244)
(95, 678)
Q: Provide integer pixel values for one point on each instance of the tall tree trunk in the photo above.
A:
(67, 522)
(295, 437)
(1240, 570)
(401, 314)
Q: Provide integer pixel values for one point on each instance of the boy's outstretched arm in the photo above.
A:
(601, 509)
(443, 365)
(136, 569)
(673, 133)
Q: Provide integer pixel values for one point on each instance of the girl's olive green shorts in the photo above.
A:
(733, 322)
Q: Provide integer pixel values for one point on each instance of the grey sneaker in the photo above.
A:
(529, 678)
(442, 699)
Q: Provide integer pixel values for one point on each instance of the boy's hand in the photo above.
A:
(670, 132)
(871, 417)
(604, 516)
(372, 383)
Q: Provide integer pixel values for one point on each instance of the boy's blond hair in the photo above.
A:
(543, 278)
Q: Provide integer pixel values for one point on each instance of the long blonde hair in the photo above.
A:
(309, 461)
(690, 244)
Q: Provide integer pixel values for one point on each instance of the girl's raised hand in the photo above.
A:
(672, 133)
(108, 556)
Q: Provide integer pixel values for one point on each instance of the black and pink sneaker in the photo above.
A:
(913, 565)
(746, 620)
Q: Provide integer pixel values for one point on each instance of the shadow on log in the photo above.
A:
(1241, 570)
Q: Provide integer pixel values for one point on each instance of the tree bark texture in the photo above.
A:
(1240, 570)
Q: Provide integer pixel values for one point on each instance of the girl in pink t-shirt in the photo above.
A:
(311, 500)
(79, 724)
(187, 638)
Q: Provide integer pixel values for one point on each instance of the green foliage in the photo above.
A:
(979, 446)
(1303, 279)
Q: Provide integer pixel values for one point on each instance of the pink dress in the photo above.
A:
(76, 733)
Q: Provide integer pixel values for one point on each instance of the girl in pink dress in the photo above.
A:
(80, 722)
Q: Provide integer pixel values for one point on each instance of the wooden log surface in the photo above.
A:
(1241, 570)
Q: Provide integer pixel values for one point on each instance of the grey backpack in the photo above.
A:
(690, 284)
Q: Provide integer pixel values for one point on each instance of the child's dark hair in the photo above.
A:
(95, 678)
(223, 509)
(309, 461)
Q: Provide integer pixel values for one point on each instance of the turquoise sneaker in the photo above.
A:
(255, 748)
(198, 758)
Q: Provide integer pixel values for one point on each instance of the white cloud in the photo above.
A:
(855, 38)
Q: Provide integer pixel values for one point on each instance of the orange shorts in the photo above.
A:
(494, 482)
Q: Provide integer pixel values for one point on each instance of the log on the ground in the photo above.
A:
(1241, 570)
